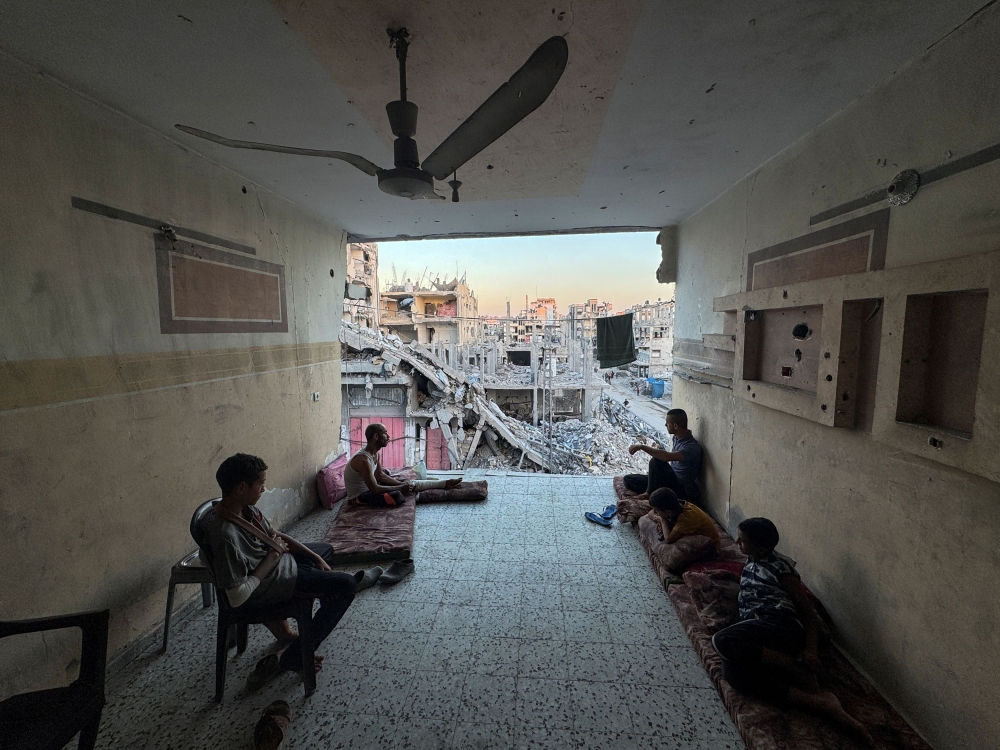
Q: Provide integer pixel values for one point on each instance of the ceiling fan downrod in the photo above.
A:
(400, 41)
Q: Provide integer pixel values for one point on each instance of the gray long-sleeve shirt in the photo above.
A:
(234, 554)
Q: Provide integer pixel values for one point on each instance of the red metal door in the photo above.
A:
(437, 450)
(393, 456)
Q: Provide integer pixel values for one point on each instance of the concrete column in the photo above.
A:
(534, 384)
(410, 444)
(589, 394)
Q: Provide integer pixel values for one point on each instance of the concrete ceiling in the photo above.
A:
(662, 107)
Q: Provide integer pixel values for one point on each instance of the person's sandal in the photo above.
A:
(364, 579)
(269, 733)
(263, 673)
(397, 572)
(599, 520)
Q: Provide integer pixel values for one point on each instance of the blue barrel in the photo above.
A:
(657, 388)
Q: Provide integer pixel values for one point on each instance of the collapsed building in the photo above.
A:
(448, 418)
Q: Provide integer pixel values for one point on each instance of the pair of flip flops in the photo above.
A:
(395, 573)
(604, 518)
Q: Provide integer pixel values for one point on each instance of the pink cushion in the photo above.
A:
(330, 481)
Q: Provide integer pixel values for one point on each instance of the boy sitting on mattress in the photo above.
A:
(771, 653)
(679, 518)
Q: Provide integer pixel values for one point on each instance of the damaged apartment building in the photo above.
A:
(186, 194)
(653, 329)
(433, 312)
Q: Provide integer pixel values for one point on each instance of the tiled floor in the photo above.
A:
(524, 626)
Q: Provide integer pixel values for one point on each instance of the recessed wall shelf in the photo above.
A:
(902, 352)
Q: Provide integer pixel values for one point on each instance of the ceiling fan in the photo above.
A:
(511, 103)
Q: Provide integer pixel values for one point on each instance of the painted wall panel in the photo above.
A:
(110, 430)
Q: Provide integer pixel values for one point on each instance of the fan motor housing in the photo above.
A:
(405, 153)
(406, 182)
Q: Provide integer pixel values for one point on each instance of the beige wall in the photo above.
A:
(902, 550)
(110, 432)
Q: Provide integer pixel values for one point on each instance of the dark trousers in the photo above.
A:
(379, 499)
(661, 474)
(335, 592)
(740, 647)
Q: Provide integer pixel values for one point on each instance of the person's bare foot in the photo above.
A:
(829, 705)
(452, 484)
(282, 631)
(317, 662)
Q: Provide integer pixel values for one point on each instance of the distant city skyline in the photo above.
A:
(619, 268)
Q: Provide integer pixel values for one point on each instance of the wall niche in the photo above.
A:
(782, 346)
(941, 355)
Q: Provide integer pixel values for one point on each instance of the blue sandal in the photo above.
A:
(609, 512)
(599, 520)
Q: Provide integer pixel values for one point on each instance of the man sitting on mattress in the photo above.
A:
(678, 469)
(368, 484)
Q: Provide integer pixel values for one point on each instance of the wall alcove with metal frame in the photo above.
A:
(896, 352)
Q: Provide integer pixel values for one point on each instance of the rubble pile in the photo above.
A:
(605, 444)
(478, 434)
(514, 375)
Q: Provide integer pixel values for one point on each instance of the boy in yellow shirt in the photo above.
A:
(681, 518)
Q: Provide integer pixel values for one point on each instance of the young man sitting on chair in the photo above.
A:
(257, 566)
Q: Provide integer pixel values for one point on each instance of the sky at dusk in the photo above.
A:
(620, 268)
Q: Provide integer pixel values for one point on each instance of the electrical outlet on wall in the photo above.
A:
(315, 396)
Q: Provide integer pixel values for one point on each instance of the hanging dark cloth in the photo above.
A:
(615, 343)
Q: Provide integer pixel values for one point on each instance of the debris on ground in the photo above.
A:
(478, 434)
(513, 375)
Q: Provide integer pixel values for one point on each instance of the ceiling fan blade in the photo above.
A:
(509, 104)
(358, 161)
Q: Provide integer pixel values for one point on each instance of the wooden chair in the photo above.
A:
(48, 719)
(238, 619)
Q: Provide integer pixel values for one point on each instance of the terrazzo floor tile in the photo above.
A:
(603, 740)
(345, 732)
(456, 619)
(545, 659)
(489, 699)
(542, 624)
(472, 736)
(598, 706)
(499, 622)
(446, 653)
(660, 743)
(521, 627)
(587, 627)
(435, 696)
(494, 656)
(501, 593)
(543, 704)
(592, 660)
(424, 734)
